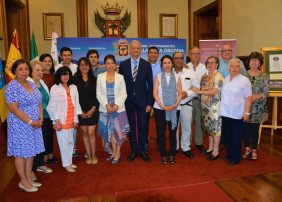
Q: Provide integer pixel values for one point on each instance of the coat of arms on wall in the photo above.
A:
(122, 48)
(112, 26)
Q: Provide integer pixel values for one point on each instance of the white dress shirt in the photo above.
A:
(200, 70)
(233, 95)
(73, 67)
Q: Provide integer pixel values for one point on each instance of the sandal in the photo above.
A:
(247, 154)
(172, 160)
(254, 157)
(164, 161)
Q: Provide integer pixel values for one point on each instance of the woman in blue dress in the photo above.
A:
(111, 94)
(24, 123)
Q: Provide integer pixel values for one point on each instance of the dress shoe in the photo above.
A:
(44, 169)
(73, 166)
(131, 157)
(212, 157)
(49, 161)
(225, 158)
(231, 163)
(33, 189)
(36, 184)
(172, 160)
(206, 152)
(116, 161)
(145, 157)
(70, 170)
(164, 161)
(54, 159)
(110, 158)
(200, 147)
(188, 154)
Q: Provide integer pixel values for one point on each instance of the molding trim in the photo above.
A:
(142, 18)
(82, 18)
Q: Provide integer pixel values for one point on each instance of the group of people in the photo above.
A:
(227, 106)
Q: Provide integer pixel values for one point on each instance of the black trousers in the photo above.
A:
(47, 133)
(251, 134)
(233, 130)
(161, 131)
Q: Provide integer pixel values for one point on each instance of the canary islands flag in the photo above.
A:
(3, 106)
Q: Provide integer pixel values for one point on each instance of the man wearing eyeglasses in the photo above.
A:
(188, 79)
(200, 70)
(226, 55)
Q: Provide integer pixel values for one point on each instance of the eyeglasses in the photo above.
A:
(176, 58)
(254, 60)
(211, 63)
(229, 50)
(84, 64)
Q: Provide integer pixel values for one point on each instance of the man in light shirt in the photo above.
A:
(226, 55)
(66, 56)
(200, 70)
(188, 79)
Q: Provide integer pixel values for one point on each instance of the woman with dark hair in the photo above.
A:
(260, 91)
(167, 93)
(64, 109)
(48, 79)
(86, 86)
(211, 84)
(111, 94)
(24, 121)
(48, 74)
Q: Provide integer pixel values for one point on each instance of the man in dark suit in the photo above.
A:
(138, 78)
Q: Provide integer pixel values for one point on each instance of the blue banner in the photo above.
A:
(119, 47)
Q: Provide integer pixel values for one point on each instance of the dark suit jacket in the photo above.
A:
(139, 92)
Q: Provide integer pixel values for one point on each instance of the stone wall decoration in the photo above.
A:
(112, 26)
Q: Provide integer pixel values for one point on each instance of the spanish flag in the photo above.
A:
(14, 54)
(3, 106)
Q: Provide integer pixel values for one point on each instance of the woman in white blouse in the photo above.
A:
(234, 110)
(167, 94)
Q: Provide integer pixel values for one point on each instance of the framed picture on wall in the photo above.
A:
(168, 26)
(53, 22)
(272, 65)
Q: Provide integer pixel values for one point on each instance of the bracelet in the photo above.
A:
(247, 113)
(30, 122)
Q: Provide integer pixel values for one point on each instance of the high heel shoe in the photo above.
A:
(36, 184)
(247, 154)
(164, 161)
(172, 160)
(33, 189)
(212, 157)
(254, 157)
(110, 158)
(116, 161)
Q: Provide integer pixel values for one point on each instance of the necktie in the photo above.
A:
(135, 71)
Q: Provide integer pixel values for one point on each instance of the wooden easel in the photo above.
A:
(274, 117)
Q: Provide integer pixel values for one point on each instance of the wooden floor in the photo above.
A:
(267, 187)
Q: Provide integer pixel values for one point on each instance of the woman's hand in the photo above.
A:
(83, 115)
(109, 108)
(115, 108)
(36, 124)
(90, 113)
(74, 125)
(170, 108)
(58, 125)
(245, 117)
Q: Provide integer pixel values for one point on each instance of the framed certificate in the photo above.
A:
(273, 67)
(168, 26)
(53, 22)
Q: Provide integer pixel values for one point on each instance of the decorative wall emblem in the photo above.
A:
(112, 26)
(122, 48)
